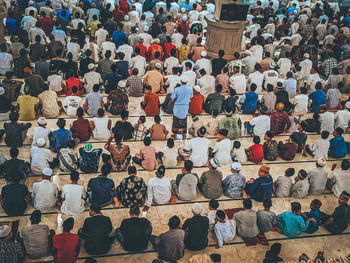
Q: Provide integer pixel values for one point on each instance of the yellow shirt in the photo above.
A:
(27, 105)
(93, 27)
(154, 79)
(184, 50)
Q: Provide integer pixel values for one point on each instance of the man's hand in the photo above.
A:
(217, 246)
(117, 205)
(334, 166)
(311, 219)
(145, 208)
(173, 200)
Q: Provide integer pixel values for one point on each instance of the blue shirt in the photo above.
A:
(250, 99)
(318, 98)
(261, 188)
(11, 25)
(313, 226)
(291, 224)
(123, 68)
(182, 94)
(68, 15)
(118, 37)
(89, 160)
(337, 147)
(61, 136)
(101, 188)
(346, 20)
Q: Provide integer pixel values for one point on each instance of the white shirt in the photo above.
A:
(313, 79)
(76, 21)
(222, 152)
(108, 45)
(342, 118)
(207, 84)
(74, 48)
(193, 16)
(225, 232)
(253, 29)
(172, 81)
(238, 83)
(101, 36)
(306, 66)
(71, 104)
(55, 82)
(199, 147)
(170, 63)
(284, 64)
(327, 122)
(44, 195)
(6, 60)
(140, 63)
(256, 77)
(158, 191)
(261, 125)
(176, 39)
(270, 77)
(240, 155)
(205, 64)
(300, 101)
(101, 131)
(73, 195)
(40, 158)
(249, 63)
(127, 50)
(41, 132)
(291, 87)
(147, 39)
(320, 148)
(90, 79)
(134, 17)
(295, 39)
(257, 53)
(191, 76)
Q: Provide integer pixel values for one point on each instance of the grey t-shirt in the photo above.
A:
(93, 101)
(282, 186)
(300, 189)
(318, 180)
(36, 240)
(266, 220)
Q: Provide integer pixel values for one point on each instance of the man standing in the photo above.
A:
(181, 96)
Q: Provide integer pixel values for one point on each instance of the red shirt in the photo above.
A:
(152, 50)
(167, 48)
(256, 154)
(71, 82)
(152, 104)
(143, 50)
(46, 25)
(185, 27)
(118, 16)
(81, 129)
(124, 7)
(65, 245)
(196, 104)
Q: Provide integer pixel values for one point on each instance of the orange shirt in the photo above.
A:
(196, 104)
(152, 104)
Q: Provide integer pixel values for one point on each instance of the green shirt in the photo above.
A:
(231, 124)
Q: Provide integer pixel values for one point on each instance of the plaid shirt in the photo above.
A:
(328, 65)
(135, 86)
(140, 133)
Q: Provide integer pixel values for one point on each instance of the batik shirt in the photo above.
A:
(132, 191)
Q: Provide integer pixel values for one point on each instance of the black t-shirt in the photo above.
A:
(14, 199)
(197, 232)
(125, 129)
(134, 232)
(301, 140)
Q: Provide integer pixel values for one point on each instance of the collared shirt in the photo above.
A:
(132, 191)
(135, 86)
(158, 191)
(328, 65)
(266, 220)
(291, 224)
(224, 232)
(155, 79)
(44, 195)
(101, 188)
(170, 245)
(182, 94)
(246, 222)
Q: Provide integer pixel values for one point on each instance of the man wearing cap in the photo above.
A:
(210, 182)
(138, 62)
(145, 40)
(91, 78)
(337, 222)
(261, 187)
(271, 75)
(159, 190)
(89, 158)
(45, 193)
(181, 96)
(152, 49)
(41, 157)
(155, 79)
(117, 100)
(14, 250)
(233, 184)
(280, 121)
(196, 105)
(306, 66)
(203, 63)
(196, 229)
(318, 177)
(222, 149)
(340, 180)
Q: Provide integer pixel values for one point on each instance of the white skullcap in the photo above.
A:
(203, 54)
(121, 84)
(146, 28)
(158, 65)
(236, 166)
(197, 88)
(2, 90)
(197, 208)
(184, 79)
(321, 161)
(306, 55)
(126, 17)
(183, 10)
(91, 66)
(42, 121)
(40, 142)
(4, 230)
(47, 171)
(184, 18)
(347, 105)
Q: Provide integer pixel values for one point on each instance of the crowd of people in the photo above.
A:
(88, 60)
